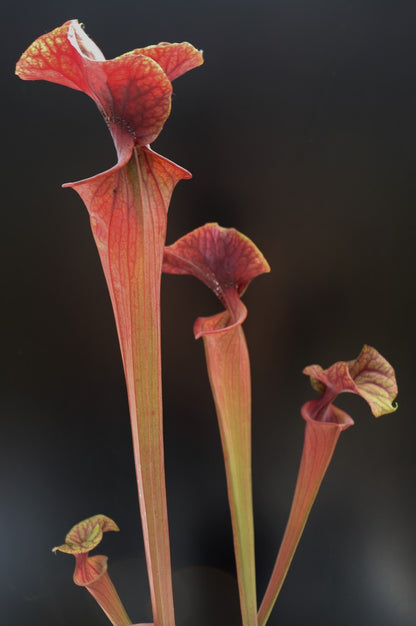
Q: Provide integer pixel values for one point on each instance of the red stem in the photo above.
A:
(319, 445)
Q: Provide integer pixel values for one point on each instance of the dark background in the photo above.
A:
(300, 131)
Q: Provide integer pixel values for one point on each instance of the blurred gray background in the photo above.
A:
(300, 131)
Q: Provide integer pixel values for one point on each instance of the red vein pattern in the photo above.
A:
(226, 261)
(128, 207)
(91, 571)
(369, 376)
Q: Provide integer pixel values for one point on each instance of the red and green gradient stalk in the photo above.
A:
(91, 571)
(369, 376)
(128, 207)
(226, 261)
